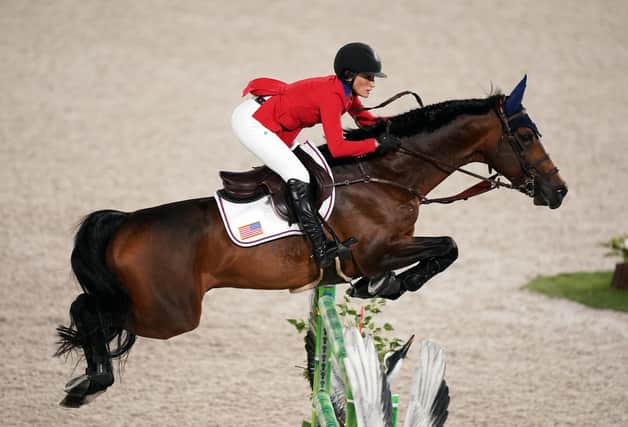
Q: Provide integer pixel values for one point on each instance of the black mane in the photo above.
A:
(412, 122)
(426, 119)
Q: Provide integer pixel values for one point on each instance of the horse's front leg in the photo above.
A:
(433, 254)
(439, 254)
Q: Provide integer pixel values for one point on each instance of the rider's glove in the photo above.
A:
(387, 143)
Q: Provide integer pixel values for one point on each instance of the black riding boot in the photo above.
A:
(324, 250)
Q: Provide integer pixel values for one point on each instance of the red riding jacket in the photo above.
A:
(305, 103)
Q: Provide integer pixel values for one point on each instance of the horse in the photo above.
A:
(145, 273)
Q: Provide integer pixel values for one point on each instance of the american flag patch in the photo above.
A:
(250, 230)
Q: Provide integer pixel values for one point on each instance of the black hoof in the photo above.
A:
(386, 286)
(82, 390)
(359, 289)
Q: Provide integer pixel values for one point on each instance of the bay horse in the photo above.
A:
(145, 273)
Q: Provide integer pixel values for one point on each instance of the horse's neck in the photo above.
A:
(454, 145)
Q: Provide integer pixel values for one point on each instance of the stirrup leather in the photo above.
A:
(334, 273)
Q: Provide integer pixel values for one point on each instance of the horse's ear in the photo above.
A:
(513, 101)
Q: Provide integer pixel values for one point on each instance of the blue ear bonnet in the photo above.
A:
(513, 101)
(513, 105)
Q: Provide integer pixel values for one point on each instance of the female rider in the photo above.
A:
(268, 125)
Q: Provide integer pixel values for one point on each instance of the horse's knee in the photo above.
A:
(445, 251)
(451, 249)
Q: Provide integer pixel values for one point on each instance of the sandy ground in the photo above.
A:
(127, 104)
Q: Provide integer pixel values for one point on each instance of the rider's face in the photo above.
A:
(363, 84)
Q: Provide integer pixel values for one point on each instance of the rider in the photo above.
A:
(268, 125)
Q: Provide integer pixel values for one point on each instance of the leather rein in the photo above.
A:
(486, 183)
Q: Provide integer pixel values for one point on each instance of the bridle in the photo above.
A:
(519, 146)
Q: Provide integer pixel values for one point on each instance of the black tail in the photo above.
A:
(104, 299)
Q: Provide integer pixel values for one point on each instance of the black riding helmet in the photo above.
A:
(357, 58)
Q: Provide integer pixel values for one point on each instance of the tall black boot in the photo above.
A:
(324, 250)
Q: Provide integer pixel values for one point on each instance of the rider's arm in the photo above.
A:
(331, 111)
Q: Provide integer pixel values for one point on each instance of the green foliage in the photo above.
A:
(299, 324)
(617, 246)
(351, 317)
(590, 288)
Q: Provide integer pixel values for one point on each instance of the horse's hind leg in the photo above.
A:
(91, 334)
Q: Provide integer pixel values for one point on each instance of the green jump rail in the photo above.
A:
(327, 327)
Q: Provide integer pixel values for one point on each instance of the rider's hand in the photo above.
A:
(387, 143)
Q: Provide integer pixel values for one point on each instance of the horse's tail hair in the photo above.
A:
(103, 296)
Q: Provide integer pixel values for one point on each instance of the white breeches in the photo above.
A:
(265, 144)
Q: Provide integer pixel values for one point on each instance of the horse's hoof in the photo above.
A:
(76, 390)
(359, 289)
(76, 401)
(386, 286)
(70, 401)
(77, 385)
(85, 388)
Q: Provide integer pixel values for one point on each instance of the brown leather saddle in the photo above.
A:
(248, 186)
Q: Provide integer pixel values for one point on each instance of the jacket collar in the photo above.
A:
(346, 87)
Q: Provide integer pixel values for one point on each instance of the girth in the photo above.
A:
(243, 187)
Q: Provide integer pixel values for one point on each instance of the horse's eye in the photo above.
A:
(527, 137)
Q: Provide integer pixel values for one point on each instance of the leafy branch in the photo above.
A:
(364, 319)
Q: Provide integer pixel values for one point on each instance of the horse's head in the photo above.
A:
(520, 156)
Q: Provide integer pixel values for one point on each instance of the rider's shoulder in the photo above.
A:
(330, 82)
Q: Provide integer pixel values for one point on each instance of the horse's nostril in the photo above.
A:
(562, 192)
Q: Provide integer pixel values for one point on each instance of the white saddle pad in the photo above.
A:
(254, 223)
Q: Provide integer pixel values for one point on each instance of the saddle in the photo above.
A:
(244, 187)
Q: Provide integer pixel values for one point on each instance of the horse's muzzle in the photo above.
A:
(547, 195)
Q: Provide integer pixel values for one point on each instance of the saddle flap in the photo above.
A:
(319, 177)
(264, 218)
